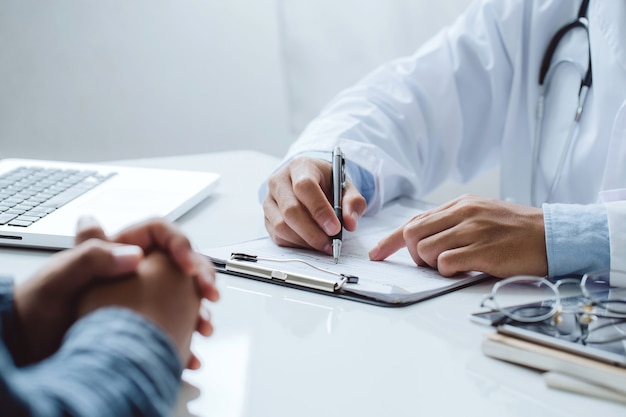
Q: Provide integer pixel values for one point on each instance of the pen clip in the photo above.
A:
(337, 153)
(343, 170)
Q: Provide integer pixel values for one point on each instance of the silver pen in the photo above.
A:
(339, 182)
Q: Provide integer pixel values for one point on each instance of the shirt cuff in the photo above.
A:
(577, 238)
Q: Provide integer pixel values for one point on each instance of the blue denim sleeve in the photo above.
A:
(6, 310)
(8, 325)
(112, 363)
(577, 238)
(362, 179)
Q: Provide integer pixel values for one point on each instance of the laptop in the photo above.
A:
(41, 201)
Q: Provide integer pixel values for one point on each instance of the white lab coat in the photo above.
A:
(466, 101)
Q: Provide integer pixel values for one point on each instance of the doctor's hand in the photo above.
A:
(473, 233)
(298, 206)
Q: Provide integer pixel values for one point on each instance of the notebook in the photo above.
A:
(41, 201)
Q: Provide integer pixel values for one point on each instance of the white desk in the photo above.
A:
(283, 352)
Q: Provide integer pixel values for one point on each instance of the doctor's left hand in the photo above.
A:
(473, 233)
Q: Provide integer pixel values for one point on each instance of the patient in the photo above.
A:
(104, 328)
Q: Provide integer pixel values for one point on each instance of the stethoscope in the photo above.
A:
(545, 75)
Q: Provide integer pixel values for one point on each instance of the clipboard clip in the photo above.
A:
(248, 264)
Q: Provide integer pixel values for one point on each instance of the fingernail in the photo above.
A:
(329, 227)
(210, 279)
(205, 312)
(374, 252)
(86, 221)
(126, 250)
(355, 216)
(126, 257)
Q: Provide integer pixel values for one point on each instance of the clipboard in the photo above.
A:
(395, 282)
(329, 284)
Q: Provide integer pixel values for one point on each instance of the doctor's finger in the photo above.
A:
(442, 217)
(309, 179)
(406, 235)
(396, 241)
(430, 248)
(354, 206)
(295, 222)
(487, 258)
(391, 244)
(280, 232)
(458, 260)
(430, 224)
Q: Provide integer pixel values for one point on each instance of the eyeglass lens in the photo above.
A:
(607, 290)
(524, 299)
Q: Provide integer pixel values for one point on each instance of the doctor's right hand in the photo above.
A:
(298, 206)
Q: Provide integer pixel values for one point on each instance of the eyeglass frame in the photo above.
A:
(584, 316)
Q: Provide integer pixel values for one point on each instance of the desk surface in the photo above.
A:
(282, 352)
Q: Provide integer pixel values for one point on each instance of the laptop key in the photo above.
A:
(6, 217)
(40, 211)
(20, 223)
(63, 198)
(28, 218)
(33, 193)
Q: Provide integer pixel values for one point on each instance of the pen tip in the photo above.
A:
(336, 249)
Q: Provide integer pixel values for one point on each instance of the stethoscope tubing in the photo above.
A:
(571, 134)
(546, 73)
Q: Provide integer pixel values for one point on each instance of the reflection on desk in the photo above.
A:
(283, 352)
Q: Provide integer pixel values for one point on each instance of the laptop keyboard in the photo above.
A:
(28, 194)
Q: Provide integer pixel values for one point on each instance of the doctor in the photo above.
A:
(536, 87)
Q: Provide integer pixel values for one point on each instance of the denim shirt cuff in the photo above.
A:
(577, 238)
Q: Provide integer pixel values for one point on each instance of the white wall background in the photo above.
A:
(101, 80)
(97, 80)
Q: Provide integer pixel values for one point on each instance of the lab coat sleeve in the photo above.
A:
(436, 115)
(577, 238)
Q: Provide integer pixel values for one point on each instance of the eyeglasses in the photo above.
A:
(591, 309)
